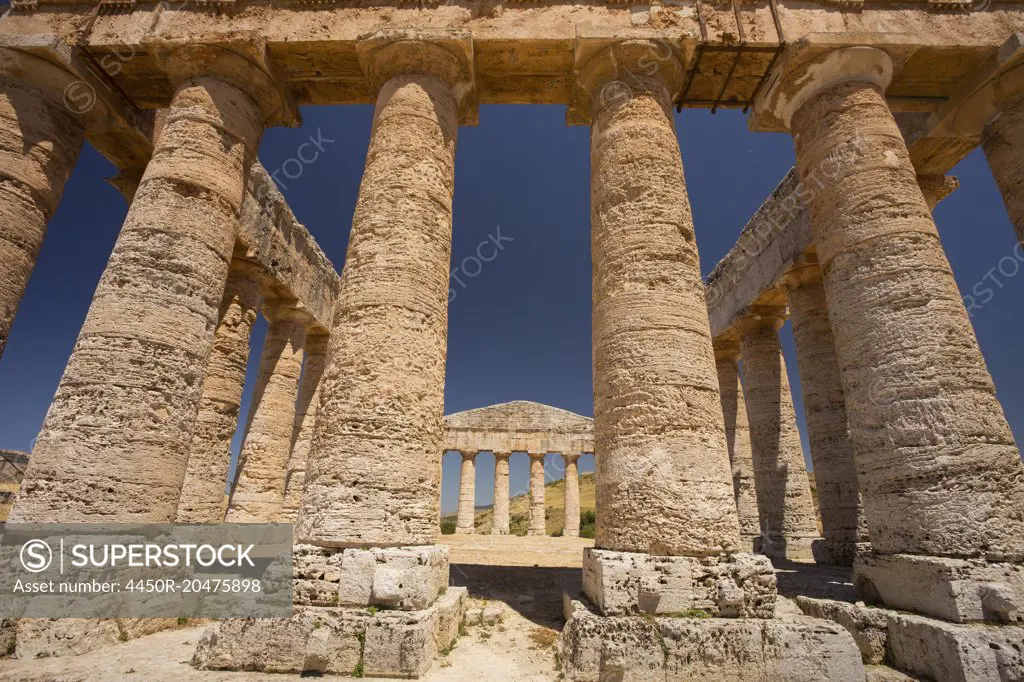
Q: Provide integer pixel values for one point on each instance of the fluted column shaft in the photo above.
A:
(657, 411)
(466, 522)
(572, 496)
(203, 491)
(114, 444)
(40, 139)
(938, 468)
(832, 452)
(737, 436)
(785, 505)
(500, 522)
(373, 475)
(537, 522)
(313, 363)
(262, 471)
(1003, 142)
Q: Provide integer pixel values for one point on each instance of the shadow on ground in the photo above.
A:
(535, 593)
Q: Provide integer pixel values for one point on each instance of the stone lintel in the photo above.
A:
(444, 53)
(933, 649)
(956, 590)
(631, 583)
(399, 578)
(595, 648)
(336, 640)
(242, 60)
(609, 64)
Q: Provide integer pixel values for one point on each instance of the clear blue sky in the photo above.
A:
(519, 329)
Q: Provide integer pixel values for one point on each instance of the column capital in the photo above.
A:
(726, 350)
(609, 71)
(808, 68)
(538, 455)
(502, 455)
(937, 187)
(444, 54)
(243, 61)
(805, 271)
(570, 457)
(763, 317)
(469, 454)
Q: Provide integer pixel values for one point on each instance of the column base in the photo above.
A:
(836, 552)
(499, 531)
(336, 640)
(956, 590)
(930, 648)
(464, 531)
(594, 648)
(629, 583)
(787, 549)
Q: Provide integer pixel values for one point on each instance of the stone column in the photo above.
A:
(657, 410)
(939, 471)
(537, 521)
(785, 505)
(373, 476)
(499, 524)
(466, 522)
(835, 471)
(1002, 140)
(572, 496)
(313, 363)
(737, 437)
(203, 491)
(114, 444)
(262, 471)
(40, 139)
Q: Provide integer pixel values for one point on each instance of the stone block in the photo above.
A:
(336, 640)
(474, 617)
(407, 588)
(493, 614)
(621, 583)
(595, 648)
(868, 626)
(956, 590)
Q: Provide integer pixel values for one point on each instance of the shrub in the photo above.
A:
(447, 528)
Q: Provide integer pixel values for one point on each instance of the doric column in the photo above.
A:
(499, 524)
(262, 471)
(203, 491)
(465, 524)
(939, 471)
(737, 437)
(40, 139)
(114, 444)
(373, 476)
(572, 495)
(785, 505)
(537, 521)
(835, 471)
(313, 363)
(657, 412)
(1002, 137)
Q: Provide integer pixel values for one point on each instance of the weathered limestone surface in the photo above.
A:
(209, 457)
(788, 522)
(257, 495)
(1003, 141)
(500, 518)
(572, 496)
(467, 494)
(869, 626)
(39, 143)
(373, 474)
(835, 471)
(737, 436)
(593, 648)
(628, 583)
(663, 474)
(938, 468)
(313, 363)
(114, 444)
(536, 526)
(519, 426)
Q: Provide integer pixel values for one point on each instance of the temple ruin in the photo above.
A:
(700, 479)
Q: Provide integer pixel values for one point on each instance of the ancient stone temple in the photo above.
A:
(701, 478)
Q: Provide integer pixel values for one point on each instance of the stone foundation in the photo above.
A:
(31, 638)
(931, 648)
(956, 590)
(623, 583)
(624, 648)
(337, 640)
